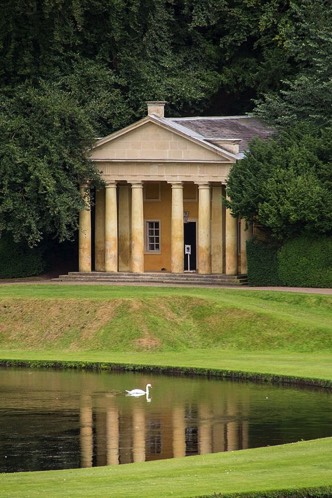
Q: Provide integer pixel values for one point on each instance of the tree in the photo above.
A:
(307, 95)
(284, 184)
(44, 139)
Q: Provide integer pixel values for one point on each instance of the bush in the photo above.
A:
(18, 260)
(262, 263)
(306, 262)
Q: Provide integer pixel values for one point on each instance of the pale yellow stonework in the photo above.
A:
(137, 229)
(124, 228)
(204, 229)
(100, 230)
(157, 173)
(177, 241)
(111, 228)
(245, 236)
(231, 244)
(84, 242)
(217, 230)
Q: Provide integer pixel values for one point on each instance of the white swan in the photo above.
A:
(139, 392)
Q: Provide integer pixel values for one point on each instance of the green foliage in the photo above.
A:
(307, 40)
(306, 262)
(284, 184)
(44, 137)
(184, 52)
(262, 264)
(319, 492)
(300, 262)
(18, 260)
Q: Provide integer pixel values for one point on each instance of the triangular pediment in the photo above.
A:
(152, 140)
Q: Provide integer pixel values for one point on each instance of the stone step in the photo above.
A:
(151, 277)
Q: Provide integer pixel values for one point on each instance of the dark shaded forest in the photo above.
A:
(73, 70)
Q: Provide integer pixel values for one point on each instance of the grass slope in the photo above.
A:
(158, 319)
(263, 332)
(288, 467)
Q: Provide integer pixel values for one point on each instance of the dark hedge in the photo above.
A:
(300, 262)
(18, 260)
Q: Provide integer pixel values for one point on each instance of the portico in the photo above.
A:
(164, 183)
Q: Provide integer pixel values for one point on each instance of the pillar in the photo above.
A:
(177, 235)
(138, 434)
(84, 237)
(216, 230)
(112, 435)
(137, 229)
(205, 429)
(231, 244)
(100, 231)
(111, 228)
(232, 426)
(86, 431)
(246, 234)
(124, 228)
(179, 432)
(204, 230)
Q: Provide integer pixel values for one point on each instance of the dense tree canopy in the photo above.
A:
(43, 145)
(285, 184)
(71, 70)
(308, 94)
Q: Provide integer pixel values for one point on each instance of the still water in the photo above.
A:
(68, 419)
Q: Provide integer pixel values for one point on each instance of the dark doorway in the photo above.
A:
(190, 239)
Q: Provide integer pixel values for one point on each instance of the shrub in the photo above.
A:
(262, 263)
(18, 260)
(306, 262)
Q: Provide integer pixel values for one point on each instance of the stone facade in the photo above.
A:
(165, 179)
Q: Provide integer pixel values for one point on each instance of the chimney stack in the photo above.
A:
(156, 108)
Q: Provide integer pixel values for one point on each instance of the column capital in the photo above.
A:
(111, 184)
(203, 185)
(176, 185)
(138, 184)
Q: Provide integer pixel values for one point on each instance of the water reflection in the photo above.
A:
(54, 420)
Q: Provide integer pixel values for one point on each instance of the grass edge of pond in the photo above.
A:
(169, 370)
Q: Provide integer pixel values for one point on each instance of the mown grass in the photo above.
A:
(276, 335)
(294, 467)
(92, 318)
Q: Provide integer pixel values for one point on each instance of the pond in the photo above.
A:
(71, 419)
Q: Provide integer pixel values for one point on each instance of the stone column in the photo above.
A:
(204, 229)
(124, 228)
(100, 231)
(137, 229)
(231, 244)
(112, 435)
(86, 431)
(232, 427)
(216, 230)
(177, 236)
(84, 236)
(204, 430)
(138, 434)
(179, 432)
(246, 234)
(111, 228)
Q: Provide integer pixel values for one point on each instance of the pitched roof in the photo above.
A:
(228, 136)
(243, 128)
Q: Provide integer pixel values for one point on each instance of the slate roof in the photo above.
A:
(244, 128)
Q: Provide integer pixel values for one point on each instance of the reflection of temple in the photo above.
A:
(184, 429)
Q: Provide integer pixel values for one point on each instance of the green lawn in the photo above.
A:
(276, 334)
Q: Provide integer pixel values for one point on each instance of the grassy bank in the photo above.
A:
(275, 335)
(293, 467)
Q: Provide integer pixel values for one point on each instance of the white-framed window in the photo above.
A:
(152, 236)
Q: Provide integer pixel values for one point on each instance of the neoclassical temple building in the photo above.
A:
(161, 209)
